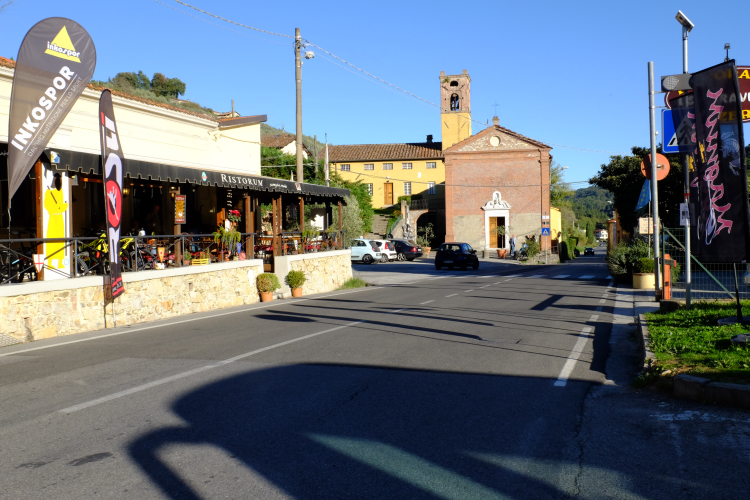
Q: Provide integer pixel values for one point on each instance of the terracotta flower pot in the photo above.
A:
(502, 253)
(426, 250)
(266, 296)
(644, 281)
(296, 292)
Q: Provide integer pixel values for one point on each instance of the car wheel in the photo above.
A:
(437, 267)
(401, 256)
(367, 259)
(464, 267)
(384, 259)
(475, 266)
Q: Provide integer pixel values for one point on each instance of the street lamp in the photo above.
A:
(726, 47)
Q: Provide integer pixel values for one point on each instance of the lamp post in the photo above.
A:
(298, 46)
(687, 26)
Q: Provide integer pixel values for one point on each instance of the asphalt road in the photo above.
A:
(501, 383)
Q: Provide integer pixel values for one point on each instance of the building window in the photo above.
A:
(345, 168)
(407, 188)
(369, 188)
(369, 166)
(430, 188)
(387, 166)
(454, 102)
(431, 164)
(406, 166)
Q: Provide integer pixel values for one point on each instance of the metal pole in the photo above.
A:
(737, 296)
(686, 168)
(326, 165)
(654, 188)
(298, 76)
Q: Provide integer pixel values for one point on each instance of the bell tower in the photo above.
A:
(455, 107)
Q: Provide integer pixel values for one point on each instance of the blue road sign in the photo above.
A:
(669, 136)
(545, 231)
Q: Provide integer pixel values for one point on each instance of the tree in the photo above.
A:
(559, 190)
(351, 220)
(590, 228)
(167, 87)
(622, 177)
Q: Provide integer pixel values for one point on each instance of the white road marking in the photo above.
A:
(499, 282)
(451, 295)
(561, 276)
(467, 291)
(586, 277)
(423, 303)
(562, 379)
(594, 317)
(513, 276)
(188, 373)
(602, 301)
(608, 278)
(485, 286)
(599, 309)
(537, 276)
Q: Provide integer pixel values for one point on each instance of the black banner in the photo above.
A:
(723, 229)
(112, 159)
(55, 63)
(683, 117)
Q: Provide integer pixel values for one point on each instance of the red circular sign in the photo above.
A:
(662, 167)
(114, 203)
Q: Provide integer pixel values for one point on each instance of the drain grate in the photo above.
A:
(6, 340)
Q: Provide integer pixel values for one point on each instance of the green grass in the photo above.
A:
(353, 283)
(692, 341)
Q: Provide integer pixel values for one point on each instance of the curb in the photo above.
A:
(695, 388)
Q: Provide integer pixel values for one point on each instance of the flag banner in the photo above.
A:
(55, 63)
(683, 116)
(645, 196)
(112, 159)
(723, 226)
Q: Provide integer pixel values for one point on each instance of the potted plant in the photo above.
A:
(643, 274)
(267, 284)
(295, 280)
(228, 238)
(186, 258)
(425, 236)
(502, 231)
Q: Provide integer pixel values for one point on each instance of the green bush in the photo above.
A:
(267, 282)
(644, 265)
(353, 283)
(407, 198)
(562, 249)
(533, 249)
(572, 244)
(295, 279)
(622, 258)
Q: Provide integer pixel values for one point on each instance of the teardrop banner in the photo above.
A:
(112, 159)
(55, 63)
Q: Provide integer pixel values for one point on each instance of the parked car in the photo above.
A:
(387, 249)
(406, 250)
(456, 254)
(366, 251)
(588, 251)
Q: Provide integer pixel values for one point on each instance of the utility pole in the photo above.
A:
(654, 189)
(686, 168)
(298, 76)
(315, 154)
(326, 165)
(232, 115)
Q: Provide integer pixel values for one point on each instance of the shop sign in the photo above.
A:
(743, 76)
(179, 209)
(646, 225)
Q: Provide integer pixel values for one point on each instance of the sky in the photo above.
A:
(570, 74)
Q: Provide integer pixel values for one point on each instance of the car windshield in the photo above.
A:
(465, 247)
(450, 248)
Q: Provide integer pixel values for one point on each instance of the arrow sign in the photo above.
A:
(669, 136)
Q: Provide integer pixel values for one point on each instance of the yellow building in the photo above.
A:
(555, 223)
(407, 169)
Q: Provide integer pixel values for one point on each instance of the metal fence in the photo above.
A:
(90, 255)
(709, 280)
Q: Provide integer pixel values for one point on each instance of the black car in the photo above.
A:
(456, 254)
(406, 249)
(588, 251)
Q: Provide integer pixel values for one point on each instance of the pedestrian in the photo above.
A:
(512, 244)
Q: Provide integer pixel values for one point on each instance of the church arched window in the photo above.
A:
(454, 102)
(454, 83)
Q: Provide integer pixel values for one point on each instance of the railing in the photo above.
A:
(427, 204)
(89, 256)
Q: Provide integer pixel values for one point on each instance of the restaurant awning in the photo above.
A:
(87, 163)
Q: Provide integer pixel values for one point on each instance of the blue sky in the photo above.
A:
(567, 73)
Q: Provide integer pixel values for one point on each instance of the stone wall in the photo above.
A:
(325, 271)
(469, 229)
(39, 310)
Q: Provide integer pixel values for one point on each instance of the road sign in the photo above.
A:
(545, 231)
(668, 133)
(662, 167)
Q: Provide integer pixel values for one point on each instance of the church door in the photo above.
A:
(388, 193)
(496, 240)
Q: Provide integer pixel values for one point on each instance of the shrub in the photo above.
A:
(572, 244)
(353, 283)
(295, 279)
(533, 249)
(562, 248)
(407, 198)
(644, 265)
(267, 282)
(617, 261)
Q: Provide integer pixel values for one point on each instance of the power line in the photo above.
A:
(307, 42)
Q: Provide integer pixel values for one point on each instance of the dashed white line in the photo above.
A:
(537, 276)
(513, 276)
(594, 317)
(218, 364)
(570, 364)
(467, 291)
(561, 276)
(586, 277)
(602, 301)
(485, 286)
(423, 303)
(451, 295)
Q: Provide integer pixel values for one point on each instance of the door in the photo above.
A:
(493, 232)
(501, 237)
(358, 248)
(388, 193)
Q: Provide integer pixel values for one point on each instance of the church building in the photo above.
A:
(478, 182)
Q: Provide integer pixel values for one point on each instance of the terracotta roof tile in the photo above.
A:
(378, 152)
(276, 141)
